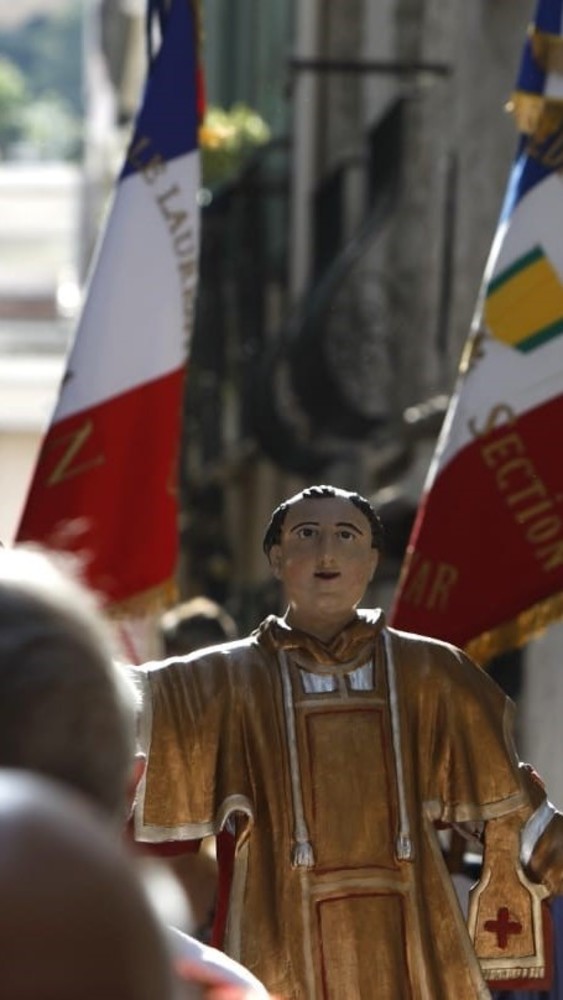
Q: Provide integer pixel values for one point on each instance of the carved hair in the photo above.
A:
(274, 529)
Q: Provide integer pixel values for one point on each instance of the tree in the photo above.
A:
(48, 51)
(51, 130)
(41, 86)
(13, 96)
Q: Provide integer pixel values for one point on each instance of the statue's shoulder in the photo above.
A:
(238, 653)
(416, 644)
(208, 659)
(441, 667)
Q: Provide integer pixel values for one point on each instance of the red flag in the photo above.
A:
(105, 481)
(484, 566)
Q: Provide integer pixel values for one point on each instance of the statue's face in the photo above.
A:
(325, 561)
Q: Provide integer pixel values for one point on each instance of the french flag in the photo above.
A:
(105, 483)
(484, 565)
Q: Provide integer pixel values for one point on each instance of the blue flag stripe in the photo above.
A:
(534, 161)
(166, 126)
(548, 16)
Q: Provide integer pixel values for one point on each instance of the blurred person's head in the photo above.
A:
(67, 710)
(195, 624)
(75, 921)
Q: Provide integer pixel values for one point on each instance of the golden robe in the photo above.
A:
(332, 764)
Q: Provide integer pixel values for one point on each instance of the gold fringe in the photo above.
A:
(145, 603)
(547, 50)
(515, 633)
(494, 974)
(535, 114)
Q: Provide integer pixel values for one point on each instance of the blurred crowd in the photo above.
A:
(83, 913)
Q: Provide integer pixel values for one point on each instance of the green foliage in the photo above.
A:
(48, 51)
(227, 139)
(13, 95)
(51, 130)
(41, 85)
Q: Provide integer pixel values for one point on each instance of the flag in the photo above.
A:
(484, 565)
(105, 484)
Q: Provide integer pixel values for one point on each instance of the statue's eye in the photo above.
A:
(306, 532)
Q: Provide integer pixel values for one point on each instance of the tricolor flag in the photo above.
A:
(484, 566)
(105, 482)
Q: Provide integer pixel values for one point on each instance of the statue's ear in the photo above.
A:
(275, 558)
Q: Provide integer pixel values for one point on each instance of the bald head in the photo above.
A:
(74, 921)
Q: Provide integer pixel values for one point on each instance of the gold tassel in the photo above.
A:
(403, 848)
(302, 855)
(535, 114)
(547, 50)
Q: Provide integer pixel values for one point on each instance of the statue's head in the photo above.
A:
(323, 544)
(273, 531)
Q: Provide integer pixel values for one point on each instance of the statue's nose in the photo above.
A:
(326, 553)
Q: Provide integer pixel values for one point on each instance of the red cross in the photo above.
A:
(503, 926)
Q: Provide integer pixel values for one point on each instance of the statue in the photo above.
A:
(331, 746)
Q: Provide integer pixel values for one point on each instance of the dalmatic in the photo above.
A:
(331, 764)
